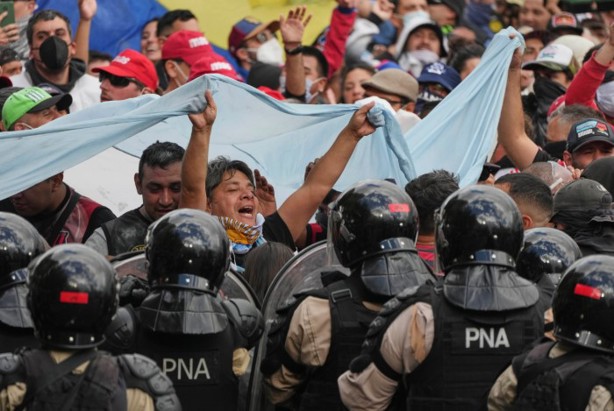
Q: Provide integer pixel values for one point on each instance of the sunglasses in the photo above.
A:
(117, 81)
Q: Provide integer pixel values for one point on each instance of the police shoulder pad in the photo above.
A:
(142, 373)
(11, 369)
(247, 319)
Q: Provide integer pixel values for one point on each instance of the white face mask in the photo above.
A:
(184, 78)
(270, 52)
(425, 56)
(309, 93)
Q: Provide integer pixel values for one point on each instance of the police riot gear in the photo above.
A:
(372, 217)
(561, 383)
(546, 251)
(475, 220)
(187, 249)
(374, 226)
(19, 244)
(478, 236)
(73, 296)
(189, 253)
(584, 297)
(483, 312)
(100, 387)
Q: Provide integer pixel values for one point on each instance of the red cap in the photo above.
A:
(558, 102)
(131, 63)
(272, 93)
(247, 28)
(186, 45)
(213, 63)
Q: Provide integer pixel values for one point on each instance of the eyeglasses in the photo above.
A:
(117, 81)
(391, 102)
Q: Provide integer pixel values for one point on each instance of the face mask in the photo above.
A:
(425, 56)
(184, 78)
(426, 95)
(54, 53)
(546, 89)
(270, 52)
(309, 94)
(407, 17)
(605, 99)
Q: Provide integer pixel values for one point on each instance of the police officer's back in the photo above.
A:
(373, 228)
(19, 244)
(442, 347)
(200, 341)
(577, 371)
(72, 297)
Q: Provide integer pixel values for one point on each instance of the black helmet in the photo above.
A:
(187, 249)
(478, 224)
(583, 304)
(372, 217)
(19, 244)
(546, 251)
(73, 296)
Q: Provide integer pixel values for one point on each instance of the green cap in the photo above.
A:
(31, 100)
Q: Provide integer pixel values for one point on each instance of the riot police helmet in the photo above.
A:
(546, 251)
(187, 249)
(372, 217)
(478, 224)
(20, 243)
(73, 295)
(583, 304)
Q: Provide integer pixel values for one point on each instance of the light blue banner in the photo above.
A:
(277, 138)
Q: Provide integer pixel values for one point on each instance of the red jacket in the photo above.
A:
(341, 24)
(583, 88)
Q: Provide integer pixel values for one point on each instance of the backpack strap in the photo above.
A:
(59, 223)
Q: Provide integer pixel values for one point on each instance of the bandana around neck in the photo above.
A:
(243, 236)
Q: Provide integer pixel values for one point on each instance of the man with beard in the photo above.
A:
(420, 43)
(52, 52)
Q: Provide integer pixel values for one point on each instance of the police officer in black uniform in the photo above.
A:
(20, 242)
(373, 227)
(547, 252)
(200, 341)
(442, 348)
(72, 297)
(578, 368)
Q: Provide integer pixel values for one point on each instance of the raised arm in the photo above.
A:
(583, 88)
(341, 24)
(303, 203)
(87, 11)
(194, 167)
(292, 29)
(520, 149)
